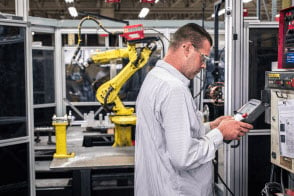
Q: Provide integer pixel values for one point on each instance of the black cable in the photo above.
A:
(215, 165)
(161, 41)
(282, 182)
(270, 188)
(272, 172)
(225, 184)
(105, 106)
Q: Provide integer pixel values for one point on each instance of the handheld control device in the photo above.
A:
(248, 113)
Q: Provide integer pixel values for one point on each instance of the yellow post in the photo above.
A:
(122, 136)
(60, 125)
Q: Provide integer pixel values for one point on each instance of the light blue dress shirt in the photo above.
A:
(174, 149)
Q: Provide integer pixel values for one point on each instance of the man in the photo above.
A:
(174, 149)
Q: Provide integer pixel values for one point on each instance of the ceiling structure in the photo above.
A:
(129, 9)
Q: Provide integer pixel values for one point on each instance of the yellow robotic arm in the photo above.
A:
(107, 93)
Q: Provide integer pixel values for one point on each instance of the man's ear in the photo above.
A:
(185, 49)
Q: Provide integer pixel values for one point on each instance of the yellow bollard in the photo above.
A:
(60, 125)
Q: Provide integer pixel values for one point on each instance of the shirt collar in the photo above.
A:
(172, 70)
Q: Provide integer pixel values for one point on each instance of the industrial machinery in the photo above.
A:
(286, 39)
(107, 94)
(281, 85)
(282, 118)
(138, 51)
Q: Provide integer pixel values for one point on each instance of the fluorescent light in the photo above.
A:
(69, 1)
(246, 1)
(156, 1)
(73, 11)
(143, 13)
(221, 12)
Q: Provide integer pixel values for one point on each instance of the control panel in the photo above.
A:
(281, 85)
(250, 111)
(279, 80)
(282, 126)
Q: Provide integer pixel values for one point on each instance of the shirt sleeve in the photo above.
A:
(207, 127)
(180, 123)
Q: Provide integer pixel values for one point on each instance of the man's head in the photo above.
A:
(189, 49)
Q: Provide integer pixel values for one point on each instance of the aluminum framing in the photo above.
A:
(236, 77)
(235, 174)
(29, 100)
(256, 132)
(22, 8)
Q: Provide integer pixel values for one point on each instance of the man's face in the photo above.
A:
(196, 59)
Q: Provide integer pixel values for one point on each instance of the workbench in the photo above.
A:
(89, 159)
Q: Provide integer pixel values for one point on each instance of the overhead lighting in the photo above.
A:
(143, 13)
(221, 12)
(69, 1)
(156, 1)
(112, 1)
(246, 1)
(147, 1)
(73, 11)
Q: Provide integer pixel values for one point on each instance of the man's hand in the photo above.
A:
(233, 130)
(217, 121)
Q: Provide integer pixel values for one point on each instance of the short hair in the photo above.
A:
(190, 32)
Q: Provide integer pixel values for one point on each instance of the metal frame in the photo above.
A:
(29, 138)
(236, 75)
(44, 29)
(59, 72)
(255, 132)
(235, 176)
(30, 110)
(22, 8)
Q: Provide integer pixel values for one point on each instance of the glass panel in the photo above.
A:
(95, 40)
(12, 82)
(15, 164)
(43, 116)
(43, 76)
(87, 40)
(259, 165)
(81, 84)
(250, 9)
(263, 50)
(113, 40)
(43, 39)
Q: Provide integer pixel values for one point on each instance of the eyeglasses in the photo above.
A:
(204, 58)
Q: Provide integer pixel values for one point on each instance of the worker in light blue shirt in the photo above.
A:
(174, 149)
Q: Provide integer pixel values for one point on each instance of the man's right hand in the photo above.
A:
(233, 130)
